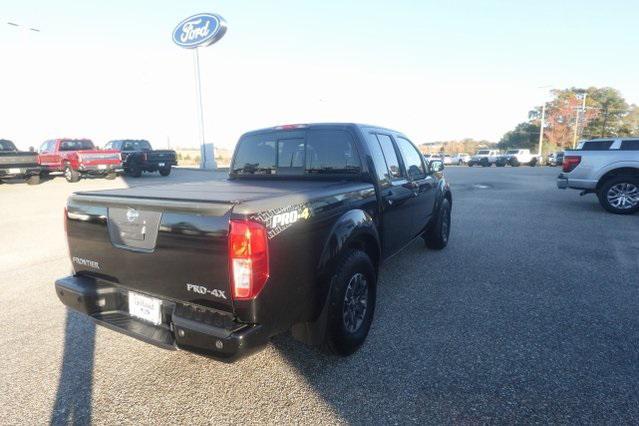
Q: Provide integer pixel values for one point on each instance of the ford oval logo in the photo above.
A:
(199, 30)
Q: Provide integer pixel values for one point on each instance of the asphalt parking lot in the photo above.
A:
(531, 314)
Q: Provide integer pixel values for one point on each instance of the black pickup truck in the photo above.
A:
(138, 156)
(16, 164)
(293, 239)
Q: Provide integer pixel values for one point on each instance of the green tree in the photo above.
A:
(611, 108)
(525, 136)
(630, 122)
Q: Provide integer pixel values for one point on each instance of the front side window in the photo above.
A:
(412, 159)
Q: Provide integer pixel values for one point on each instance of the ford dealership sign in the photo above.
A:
(198, 30)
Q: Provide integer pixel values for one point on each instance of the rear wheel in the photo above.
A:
(352, 303)
(71, 175)
(33, 180)
(436, 237)
(620, 195)
(134, 170)
(533, 162)
(165, 171)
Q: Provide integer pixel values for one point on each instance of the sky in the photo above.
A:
(435, 70)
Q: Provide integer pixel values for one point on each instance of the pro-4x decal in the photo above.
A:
(277, 220)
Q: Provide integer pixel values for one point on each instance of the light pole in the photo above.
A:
(541, 128)
(583, 111)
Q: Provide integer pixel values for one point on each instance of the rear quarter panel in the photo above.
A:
(298, 283)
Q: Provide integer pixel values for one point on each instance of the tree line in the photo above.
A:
(605, 113)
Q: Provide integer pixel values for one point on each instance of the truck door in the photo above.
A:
(46, 155)
(420, 182)
(395, 193)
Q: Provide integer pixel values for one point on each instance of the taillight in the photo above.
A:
(570, 162)
(248, 258)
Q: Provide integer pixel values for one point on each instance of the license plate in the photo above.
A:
(146, 308)
(102, 166)
(161, 164)
(14, 171)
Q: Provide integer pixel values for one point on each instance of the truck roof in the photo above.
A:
(319, 126)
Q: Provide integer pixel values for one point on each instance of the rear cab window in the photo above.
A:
(76, 145)
(300, 152)
(630, 145)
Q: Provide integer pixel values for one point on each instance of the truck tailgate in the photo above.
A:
(171, 249)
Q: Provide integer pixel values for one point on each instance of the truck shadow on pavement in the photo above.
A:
(75, 388)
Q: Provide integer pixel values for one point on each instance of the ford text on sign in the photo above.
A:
(199, 30)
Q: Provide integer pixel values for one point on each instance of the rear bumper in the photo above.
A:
(183, 326)
(564, 182)
(100, 169)
(12, 172)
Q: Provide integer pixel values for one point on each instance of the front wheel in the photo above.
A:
(351, 304)
(620, 195)
(165, 171)
(436, 237)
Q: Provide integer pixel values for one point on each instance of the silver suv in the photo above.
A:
(608, 168)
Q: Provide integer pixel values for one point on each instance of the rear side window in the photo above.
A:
(630, 145)
(383, 176)
(596, 146)
(390, 155)
(412, 159)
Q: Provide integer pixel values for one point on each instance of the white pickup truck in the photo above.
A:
(608, 168)
(484, 157)
(517, 157)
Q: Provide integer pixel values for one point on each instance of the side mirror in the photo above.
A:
(436, 166)
(31, 149)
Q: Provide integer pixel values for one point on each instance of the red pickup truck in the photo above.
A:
(77, 158)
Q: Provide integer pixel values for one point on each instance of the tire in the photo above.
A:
(351, 304)
(33, 180)
(500, 164)
(436, 237)
(71, 175)
(134, 170)
(110, 176)
(165, 171)
(514, 162)
(485, 163)
(625, 204)
(471, 164)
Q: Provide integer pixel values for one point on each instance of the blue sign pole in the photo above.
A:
(198, 87)
(197, 31)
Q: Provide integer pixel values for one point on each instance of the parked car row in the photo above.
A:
(78, 158)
